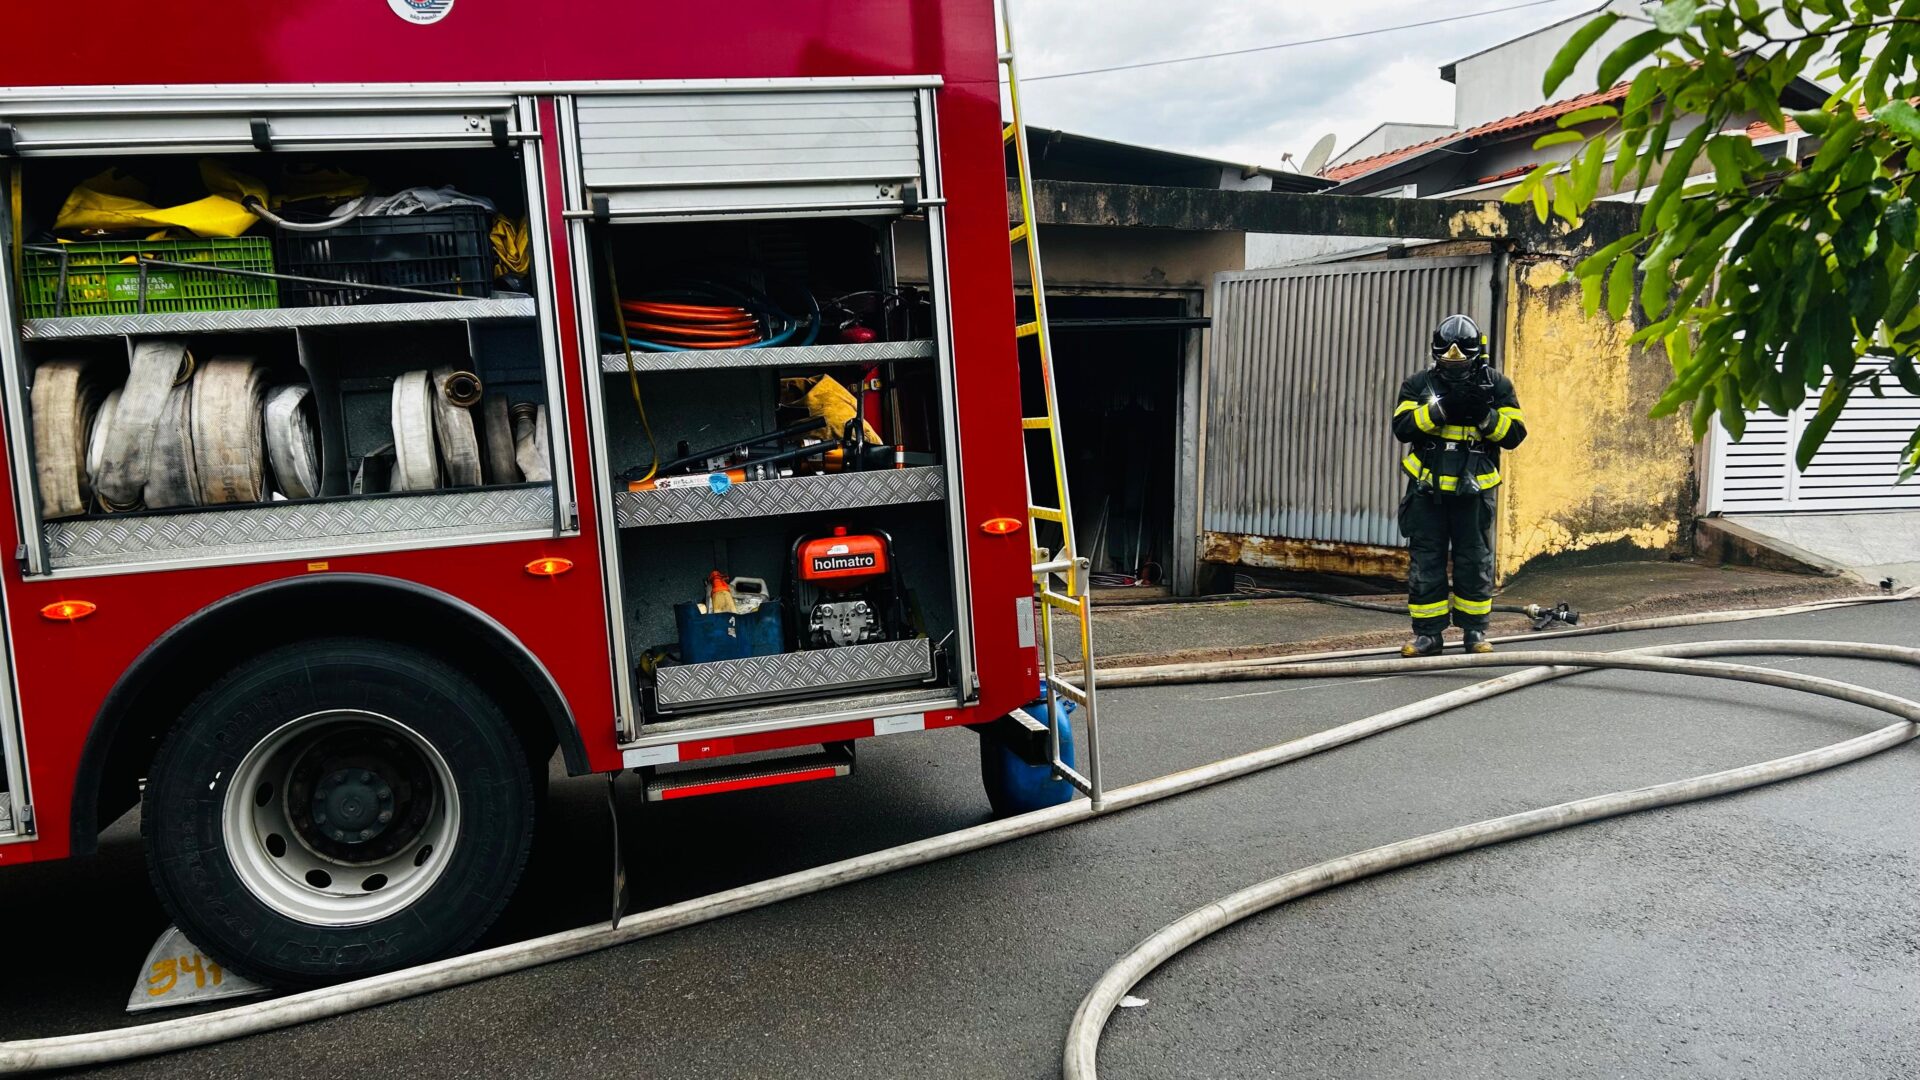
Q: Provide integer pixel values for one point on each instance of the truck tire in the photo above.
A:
(337, 809)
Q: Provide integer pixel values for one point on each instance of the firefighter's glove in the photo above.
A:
(1468, 400)
(1489, 421)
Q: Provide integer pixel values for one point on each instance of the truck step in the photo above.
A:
(819, 763)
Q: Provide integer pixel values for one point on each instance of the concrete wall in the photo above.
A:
(1505, 79)
(1596, 477)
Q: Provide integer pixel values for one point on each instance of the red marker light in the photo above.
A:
(1001, 526)
(549, 567)
(69, 610)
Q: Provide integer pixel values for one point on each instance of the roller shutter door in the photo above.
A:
(740, 153)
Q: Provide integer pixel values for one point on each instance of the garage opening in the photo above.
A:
(1120, 362)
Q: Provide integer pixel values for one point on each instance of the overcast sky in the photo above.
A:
(1252, 109)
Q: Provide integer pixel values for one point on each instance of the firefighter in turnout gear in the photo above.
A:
(1455, 418)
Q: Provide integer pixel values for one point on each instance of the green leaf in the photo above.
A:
(1587, 115)
(1900, 222)
(1903, 372)
(1590, 294)
(1556, 138)
(1903, 293)
(1576, 47)
(1831, 402)
(1672, 176)
(1836, 147)
(1901, 118)
(1733, 416)
(1540, 201)
(1596, 264)
(1703, 408)
(1727, 174)
(1620, 289)
(1814, 121)
(1630, 52)
(1675, 16)
(1585, 173)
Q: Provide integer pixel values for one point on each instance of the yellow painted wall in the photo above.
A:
(1595, 472)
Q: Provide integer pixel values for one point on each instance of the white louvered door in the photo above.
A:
(1855, 469)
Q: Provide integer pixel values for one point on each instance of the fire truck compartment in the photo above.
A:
(791, 388)
(351, 346)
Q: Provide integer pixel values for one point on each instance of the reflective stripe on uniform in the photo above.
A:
(1423, 418)
(1460, 433)
(1509, 415)
(1435, 610)
(1472, 607)
(1424, 475)
(1405, 406)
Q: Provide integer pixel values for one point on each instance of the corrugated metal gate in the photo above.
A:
(1854, 470)
(1300, 388)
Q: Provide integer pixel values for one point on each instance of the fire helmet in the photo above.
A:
(1458, 346)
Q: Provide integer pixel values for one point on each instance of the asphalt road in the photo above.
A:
(1772, 933)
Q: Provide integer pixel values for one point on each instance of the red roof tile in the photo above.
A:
(1524, 121)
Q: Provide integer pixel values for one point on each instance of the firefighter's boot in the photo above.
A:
(1422, 645)
(1475, 641)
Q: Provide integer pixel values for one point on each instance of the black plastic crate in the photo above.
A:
(446, 252)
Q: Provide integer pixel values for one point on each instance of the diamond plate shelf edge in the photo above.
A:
(6, 813)
(239, 531)
(722, 682)
(201, 322)
(792, 495)
(792, 355)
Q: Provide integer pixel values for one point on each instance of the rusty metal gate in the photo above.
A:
(1300, 390)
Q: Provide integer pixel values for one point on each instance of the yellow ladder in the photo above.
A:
(1060, 579)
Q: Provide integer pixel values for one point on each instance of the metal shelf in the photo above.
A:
(792, 495)
(287, 527)
(215, 322)
(615, 363)
(717, 684)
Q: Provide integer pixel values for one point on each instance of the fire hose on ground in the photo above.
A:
(96, 1048)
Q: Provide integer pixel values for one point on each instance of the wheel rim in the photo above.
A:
(341, 818)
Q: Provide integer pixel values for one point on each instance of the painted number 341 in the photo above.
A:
(165, 973)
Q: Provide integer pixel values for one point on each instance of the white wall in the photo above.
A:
(1505, 79)
(1389, 136)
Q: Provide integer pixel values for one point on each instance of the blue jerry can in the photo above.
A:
(1015, 787)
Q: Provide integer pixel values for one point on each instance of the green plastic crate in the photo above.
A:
(103, 278)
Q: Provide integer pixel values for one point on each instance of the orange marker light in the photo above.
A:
(69, 610)
(549, 567)
(1001, 526)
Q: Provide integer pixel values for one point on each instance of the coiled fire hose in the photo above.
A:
(176, 433)
(95, 1048)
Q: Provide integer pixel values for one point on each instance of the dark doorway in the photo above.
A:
(1119, 365)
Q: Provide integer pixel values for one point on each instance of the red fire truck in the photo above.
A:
(400, 392)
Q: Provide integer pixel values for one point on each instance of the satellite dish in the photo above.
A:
(1317, 157)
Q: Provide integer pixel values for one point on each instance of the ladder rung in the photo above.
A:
(1017, 233)
(1067, 690)
(1007, 133)
(1036, 423)
(1060, 600)
(1006, 57)
(1027, 329)
(1047, 513)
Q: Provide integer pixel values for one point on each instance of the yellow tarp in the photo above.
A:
(114, 202)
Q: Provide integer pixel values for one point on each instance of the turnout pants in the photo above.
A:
(1442, 529)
